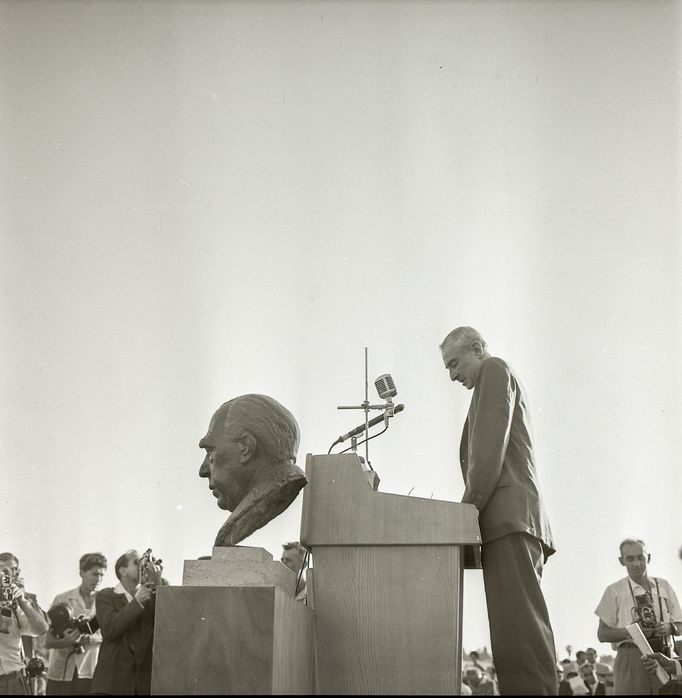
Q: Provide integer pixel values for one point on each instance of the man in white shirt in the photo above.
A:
(17, 617)
(73, 655)
(637, 598)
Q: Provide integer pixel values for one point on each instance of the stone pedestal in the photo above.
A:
(234, 627)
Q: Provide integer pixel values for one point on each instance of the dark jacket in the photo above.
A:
(124, 666)
(496, 455)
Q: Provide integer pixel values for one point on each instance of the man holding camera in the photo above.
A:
(17, 617)
(30, 640)
(126, 618)
(73, 639)
(648, 601)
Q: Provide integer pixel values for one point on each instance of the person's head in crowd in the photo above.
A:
(463, 351)
(473, 656)
(11, 562)
(634, 557)
(587, 673)
(293, 555)
(92, 568)
(570, 669)
(474, 676)
(127, 568)
(580, 657)
(559, 672)
(591, 655)
(248, 438)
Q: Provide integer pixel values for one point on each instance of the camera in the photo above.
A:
(647, 619)
(62, 619)
(35, 667)
(145, 562)
(7, 600)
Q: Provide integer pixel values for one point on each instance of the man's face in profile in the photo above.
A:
(462, 363)
(292, 558)
(227, 475)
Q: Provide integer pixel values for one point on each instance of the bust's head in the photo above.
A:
(249, 439)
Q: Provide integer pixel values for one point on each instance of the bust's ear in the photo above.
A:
(247, 447)
(622, 562)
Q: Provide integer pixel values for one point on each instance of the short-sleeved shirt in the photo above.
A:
(63, 659)
(617, 607)
(11, 651)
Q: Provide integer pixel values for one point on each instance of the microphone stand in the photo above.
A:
(367, 407)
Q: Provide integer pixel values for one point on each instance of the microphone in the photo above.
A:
(385, 386)
(361, 428)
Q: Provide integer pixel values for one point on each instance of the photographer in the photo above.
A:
(648, 601)
(126, 617)
(31, 641)
(73, 653)
(17, 617)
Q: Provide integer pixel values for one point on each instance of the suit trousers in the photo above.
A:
(520, 632)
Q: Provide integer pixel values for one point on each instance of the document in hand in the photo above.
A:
(645, 648)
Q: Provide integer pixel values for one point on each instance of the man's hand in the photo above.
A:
(72, 635)
(662, 629)
(154, 570)
(144, 593)
(651, 661)
(85, 640)
(18, 592)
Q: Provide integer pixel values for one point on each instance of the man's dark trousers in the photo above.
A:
(520, 632)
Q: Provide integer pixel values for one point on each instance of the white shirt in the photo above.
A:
(63, 659)
(617, 610)
(11, 650)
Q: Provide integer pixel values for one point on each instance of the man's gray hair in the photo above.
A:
(631, 541)
(273, 426)
(464, 336)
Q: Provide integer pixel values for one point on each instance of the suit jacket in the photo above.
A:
(496, 455)
(125, 658)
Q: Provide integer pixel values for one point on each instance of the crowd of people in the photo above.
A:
(91, 640)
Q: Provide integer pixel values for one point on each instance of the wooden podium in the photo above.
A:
(386, 582)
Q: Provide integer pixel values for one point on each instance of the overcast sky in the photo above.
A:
(206, 199)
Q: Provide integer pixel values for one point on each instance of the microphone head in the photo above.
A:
(385, 386)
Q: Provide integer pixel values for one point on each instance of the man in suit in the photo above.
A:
(498, 466)
(126, 617)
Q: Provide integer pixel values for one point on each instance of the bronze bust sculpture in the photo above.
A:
(250, 463)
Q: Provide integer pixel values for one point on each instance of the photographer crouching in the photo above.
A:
(17, 617)
(126, 617)
(74, 639)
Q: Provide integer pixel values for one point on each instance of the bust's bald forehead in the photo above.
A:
(219, 419)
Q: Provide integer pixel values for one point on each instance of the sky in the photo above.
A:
(206, 199)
